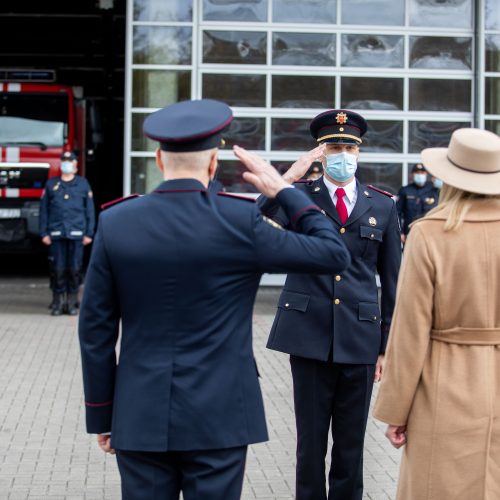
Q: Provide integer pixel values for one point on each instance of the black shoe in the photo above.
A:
(72, 305)
(57, 304)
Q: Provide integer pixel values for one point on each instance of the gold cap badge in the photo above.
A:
(341, 118)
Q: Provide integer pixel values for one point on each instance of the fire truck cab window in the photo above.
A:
(37, 119)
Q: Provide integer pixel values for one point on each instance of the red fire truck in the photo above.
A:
(38, 121)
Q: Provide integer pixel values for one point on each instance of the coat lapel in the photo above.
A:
(320, 195)
(363, 204)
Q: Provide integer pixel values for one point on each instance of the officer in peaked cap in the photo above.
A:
(67, 223)
(416, 199)
(332, 324)
(180, 268)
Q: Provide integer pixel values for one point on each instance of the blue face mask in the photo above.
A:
(420, 179)
(341, 167)
(67, 167)
(438, 183)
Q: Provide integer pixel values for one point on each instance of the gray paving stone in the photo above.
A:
(45, 452)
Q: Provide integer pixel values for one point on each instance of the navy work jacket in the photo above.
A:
(338, 314)
(414, 202)
(180, 268)
(67, 209)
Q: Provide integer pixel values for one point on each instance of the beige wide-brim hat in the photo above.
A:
(471, 161)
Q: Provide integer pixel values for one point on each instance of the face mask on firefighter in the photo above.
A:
(67, 167)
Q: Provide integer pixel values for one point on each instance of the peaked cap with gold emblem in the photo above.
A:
(338, 126)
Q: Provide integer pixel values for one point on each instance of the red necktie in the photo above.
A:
(340, 206)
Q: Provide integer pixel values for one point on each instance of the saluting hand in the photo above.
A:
(301, 166)
(261, 174)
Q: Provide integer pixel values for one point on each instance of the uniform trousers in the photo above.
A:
(335, 395)
(200, 475)
(67, 258)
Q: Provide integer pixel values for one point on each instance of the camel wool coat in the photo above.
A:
(442, 371)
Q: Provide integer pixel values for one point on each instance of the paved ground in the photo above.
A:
(44, 451)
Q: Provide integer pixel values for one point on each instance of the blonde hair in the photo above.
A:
(459, 202)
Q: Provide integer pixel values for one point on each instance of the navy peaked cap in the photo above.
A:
(68, 156)
(189, 125)
(338, 126)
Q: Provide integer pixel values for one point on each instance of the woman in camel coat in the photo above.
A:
(440, 391)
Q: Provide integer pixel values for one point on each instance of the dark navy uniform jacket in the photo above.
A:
(414, 202)
(67, 209)
(180, 268)
(339, 313)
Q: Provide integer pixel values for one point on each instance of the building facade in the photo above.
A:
(416, 69)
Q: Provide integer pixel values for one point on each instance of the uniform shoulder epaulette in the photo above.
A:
(390, 195)
(111, 203)
(235, 196)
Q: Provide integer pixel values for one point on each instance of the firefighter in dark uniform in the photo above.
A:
(331, 324)
(180, 267)
(416, 199)
(67, 223)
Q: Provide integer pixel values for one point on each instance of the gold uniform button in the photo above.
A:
(372, 236)
(66, 196)
(338, 278)
(342, 230)
(287, 305)
(374, 317)
(337, 302)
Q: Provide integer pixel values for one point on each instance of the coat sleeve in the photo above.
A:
(89, 212)
(410, 332)
(388, 263)
(44, 213)
(98, 333)
(313, 247)
(272, 208)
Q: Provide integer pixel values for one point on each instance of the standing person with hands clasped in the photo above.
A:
(180, 267)
(67, 221)
(440, 393)
(330, 323)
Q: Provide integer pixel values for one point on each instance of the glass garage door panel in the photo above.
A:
(162, 10)
(234, 10)
(230, 174)
(441, 13)
(431, 134)
(304, 49)
(247, 132)
(305, 11)
(235, 89)
(383, 136)
(379, 12)
(139, 141)
(294, 91)
(440, 95)
(434, 52)
(492, 55)
(234, 47)
(372, 93)
(291, 134)
(161, 45)
(382, 51)
(158, 88)
(386, 176)
(492, 96)
(145, 175)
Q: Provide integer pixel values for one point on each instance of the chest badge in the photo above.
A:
(372, 221)
(316, 189)
(56, 187)
(429, 201)
(66, 196)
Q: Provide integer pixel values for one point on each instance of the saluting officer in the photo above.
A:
(67, 222)
(416, 199)
(331, 323)
(180, 268)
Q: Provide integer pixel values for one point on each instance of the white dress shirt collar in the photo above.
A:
(351, 189)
